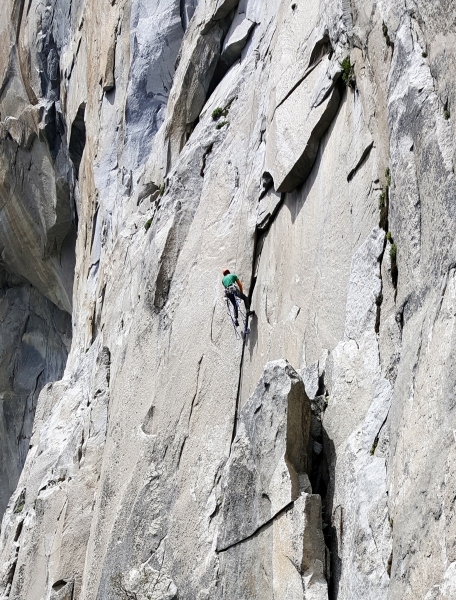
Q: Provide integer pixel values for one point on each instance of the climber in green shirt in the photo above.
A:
(233, 287)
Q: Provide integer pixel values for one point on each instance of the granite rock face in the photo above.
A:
(268, 459)
(307, 146)
(267, 509)
(34, 344)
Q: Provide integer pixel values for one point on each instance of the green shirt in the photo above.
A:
(229, 280)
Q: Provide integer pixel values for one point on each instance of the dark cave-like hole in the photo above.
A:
(58, 585)
(78, 139)
(322, 47)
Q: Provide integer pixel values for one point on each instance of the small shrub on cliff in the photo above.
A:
(348, 73)
(221, 124)
(147, 224)
(219, 112)
(446, 114)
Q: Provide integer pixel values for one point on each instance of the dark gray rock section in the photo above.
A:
(34, 344)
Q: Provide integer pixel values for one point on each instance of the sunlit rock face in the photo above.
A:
(309, 148)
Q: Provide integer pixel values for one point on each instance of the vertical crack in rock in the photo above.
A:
(207, 152)
(190, 414)
(238, 396)
(187, 9)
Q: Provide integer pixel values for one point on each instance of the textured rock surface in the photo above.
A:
(106, 128)
(34, 343)
(267, 467)
(266, 509)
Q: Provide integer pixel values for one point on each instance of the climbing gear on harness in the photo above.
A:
(232, 289)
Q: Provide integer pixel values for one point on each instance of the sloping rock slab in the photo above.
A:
(236, 38)
(297, 127)
(266, 468)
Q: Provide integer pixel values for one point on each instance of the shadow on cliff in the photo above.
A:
(323, 479)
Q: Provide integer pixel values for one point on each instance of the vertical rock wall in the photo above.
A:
(308, 146)
(34, 345)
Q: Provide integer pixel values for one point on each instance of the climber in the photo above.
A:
(233, 287)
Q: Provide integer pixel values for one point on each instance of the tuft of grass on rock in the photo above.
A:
(147, 224)
(446, 114)
(348, 73)
(388, 176)
(393, 251)
(374, 447)
(18, 509)
(20, 503)
(221, 124)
